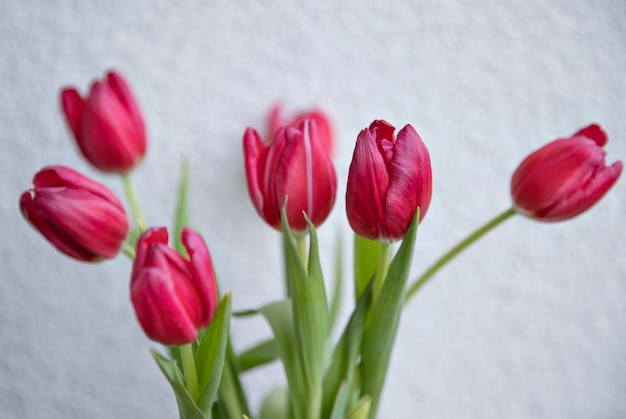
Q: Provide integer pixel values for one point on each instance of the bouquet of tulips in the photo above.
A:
(292, 184)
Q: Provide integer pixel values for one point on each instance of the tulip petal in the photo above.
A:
(585, 196)
(52, 176)
(293, 178)
(60, 238)
(324, 128)
(595, 132)
(306, 176)
(274, 120)
(323, 176)
(410, 182)
(72, 105)
(565, 177)
(295, 164)
(161, 315)
(367, 184)
(202, 273)
(152, 236)
(125, 96)
(555, 171)
(107, 124)
(389, 179)
(92, 222)
(108, 134)
(255, 158)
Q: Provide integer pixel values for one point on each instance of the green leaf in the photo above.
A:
(280, 318)
(210, 354)
(230, 393)
(218, 411)
(380, 335)
(186, 406)
(344, 360)
(341, 402)
(310, 311)
(275, 404)
(182, 210)
(260, 354)
(365, 263)
(335, 301)
(361, 410)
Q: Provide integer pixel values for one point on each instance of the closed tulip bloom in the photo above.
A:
(565, 177)
(295, 165)
(389, 178)
(107, 124)
(324, 126)
(79, 216)
(173, 296)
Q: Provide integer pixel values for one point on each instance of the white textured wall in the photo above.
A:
(531, 323)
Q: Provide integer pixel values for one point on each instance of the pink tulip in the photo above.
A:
(324, 126)
(389, 179)
(79, 216)
(107, 124)
(295, 165)
(565, 177)
(173, 297)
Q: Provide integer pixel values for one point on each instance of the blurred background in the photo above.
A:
(530, 322)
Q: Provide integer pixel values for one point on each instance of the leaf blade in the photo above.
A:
(380, 335)
(260, 354)
(181, 218)
(211, 354)
(187, 408)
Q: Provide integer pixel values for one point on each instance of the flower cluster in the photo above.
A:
(292, 184)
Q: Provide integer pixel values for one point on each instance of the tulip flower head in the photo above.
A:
(322, 122)
(79, 216)
(295, 165)
(173, 297)
(565, 177)
(107, 124)
(389, 179)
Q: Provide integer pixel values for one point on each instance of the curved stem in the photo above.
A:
(134, 203)
(129, 250)
(456, 250)
(189, 369)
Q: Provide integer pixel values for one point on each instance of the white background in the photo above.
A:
(530, 323)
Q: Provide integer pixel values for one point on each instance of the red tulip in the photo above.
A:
(389, 179)
(107, 124)
(173, 297)
(324, 126)
(565, 177)
(295, 165)
(79, 216)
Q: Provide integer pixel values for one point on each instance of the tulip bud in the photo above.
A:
(324, 127)
(107, 125)
(173, 297)
(389, 179)
(295, 165)
(79, 216)
(565, 177)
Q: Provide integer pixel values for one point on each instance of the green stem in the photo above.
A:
(381, 269)
(314, 403)
(456, 250)
(230, 391)
(189, 369)
(129, 250)
(301, 247)
(134, 203)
